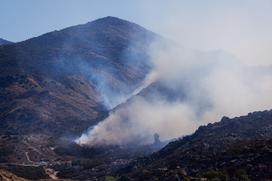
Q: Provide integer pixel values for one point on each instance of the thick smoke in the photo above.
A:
(212, 85)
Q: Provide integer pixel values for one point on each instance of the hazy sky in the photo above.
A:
(241, 27)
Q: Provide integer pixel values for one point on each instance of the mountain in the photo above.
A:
(5, 42)
(232, 149)
(55, 86)
(64, 81)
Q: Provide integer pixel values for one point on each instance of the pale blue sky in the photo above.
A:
(21, 19)
(242, 27)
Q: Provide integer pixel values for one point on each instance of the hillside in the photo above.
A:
(55, 86)
(232, 149)
(64, 81)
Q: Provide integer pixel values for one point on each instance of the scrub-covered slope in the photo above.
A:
(65, 81)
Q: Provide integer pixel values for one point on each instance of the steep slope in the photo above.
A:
(64, 81)
(235, 149)
(4, 42)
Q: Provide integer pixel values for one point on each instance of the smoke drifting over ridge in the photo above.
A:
(212, 85)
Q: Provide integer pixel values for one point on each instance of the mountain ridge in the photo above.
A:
(5, 42)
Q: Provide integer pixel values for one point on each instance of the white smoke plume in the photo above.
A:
(215, 84)
(230, 76)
